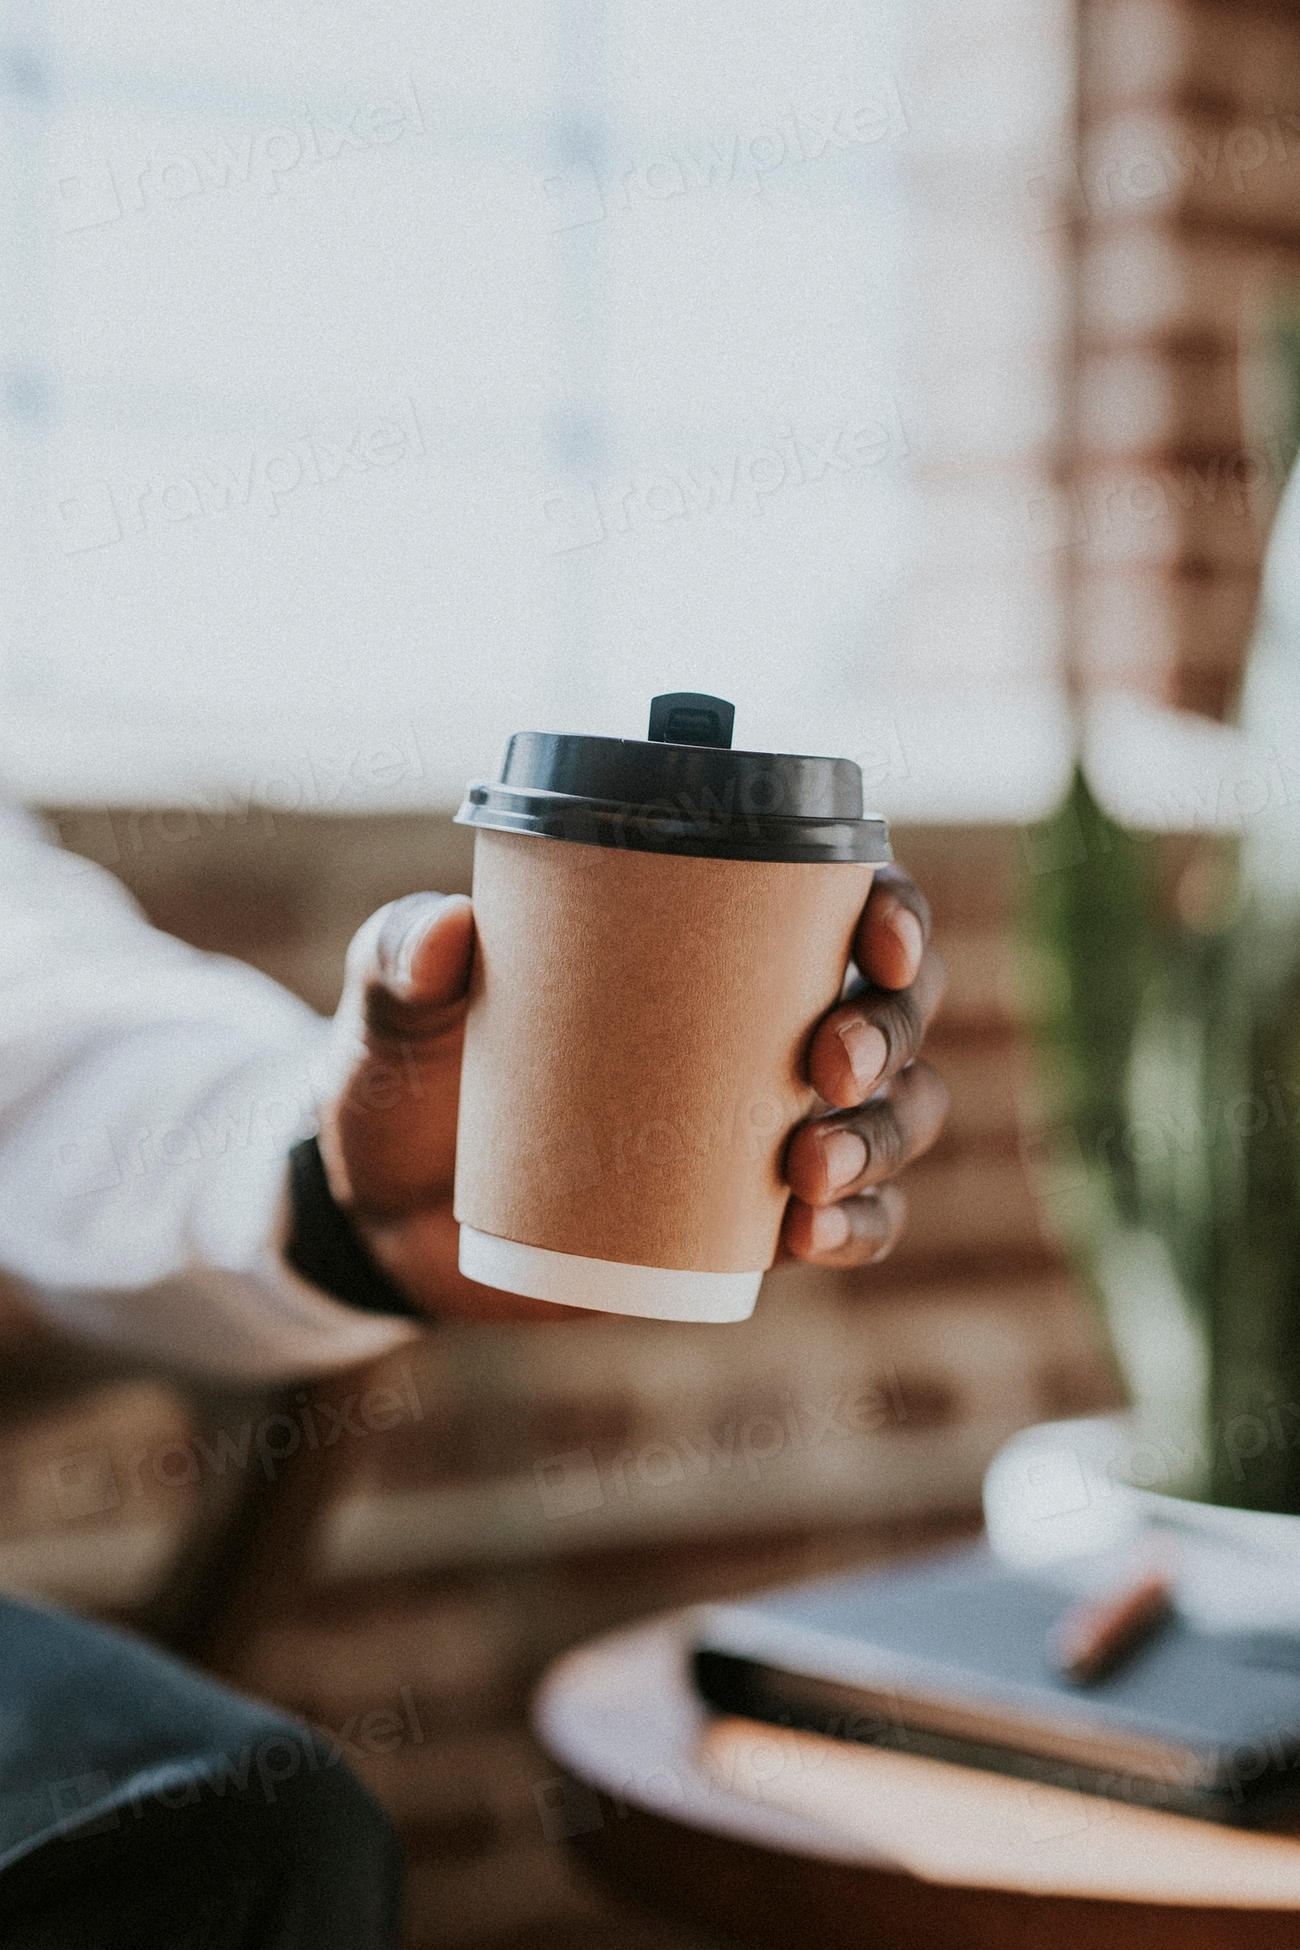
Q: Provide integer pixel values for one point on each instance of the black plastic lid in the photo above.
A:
(681, 791)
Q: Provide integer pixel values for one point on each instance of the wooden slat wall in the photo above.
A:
(1187, 207)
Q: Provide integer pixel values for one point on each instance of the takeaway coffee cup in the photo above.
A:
(659, 926)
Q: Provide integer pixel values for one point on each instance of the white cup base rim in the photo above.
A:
(608, 1286)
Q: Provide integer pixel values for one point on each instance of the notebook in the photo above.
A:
(947, 1658)
(967, 1827)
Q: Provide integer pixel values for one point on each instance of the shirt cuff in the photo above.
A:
(324, 1246)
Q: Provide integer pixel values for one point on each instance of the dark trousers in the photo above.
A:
(143, 1807)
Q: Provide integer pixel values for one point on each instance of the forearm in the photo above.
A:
(148, 1098)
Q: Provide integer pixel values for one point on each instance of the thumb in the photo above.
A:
(405, 980)
(408, 966)
(388, 1131)
(424, 948)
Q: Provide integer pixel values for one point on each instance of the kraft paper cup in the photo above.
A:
(640, 1016)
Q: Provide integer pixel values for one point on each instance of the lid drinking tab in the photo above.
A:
(691, 718)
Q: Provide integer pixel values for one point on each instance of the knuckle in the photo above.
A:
(937, 976)
(891, 1219)
(382, 1013)
(932, 1092)
(898, 881)
(886, 1136)
(902, 1024)
(913, 898)
(388, 1018)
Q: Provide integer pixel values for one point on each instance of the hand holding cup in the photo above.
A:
(389, 1138)
(884, 1105)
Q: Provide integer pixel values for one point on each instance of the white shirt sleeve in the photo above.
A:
(148, 1097)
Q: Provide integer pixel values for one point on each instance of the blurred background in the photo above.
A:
(922, 377)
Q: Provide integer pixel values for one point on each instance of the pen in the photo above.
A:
(1096, 1635)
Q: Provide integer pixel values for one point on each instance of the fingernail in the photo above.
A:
(906, 930)
(402, 935)
(866, 1049)
(398, 963)
(846, 1158)
(830, 1228)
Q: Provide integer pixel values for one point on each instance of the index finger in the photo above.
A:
(894, 928)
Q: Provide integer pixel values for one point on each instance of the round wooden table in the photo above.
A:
(649, 1798)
